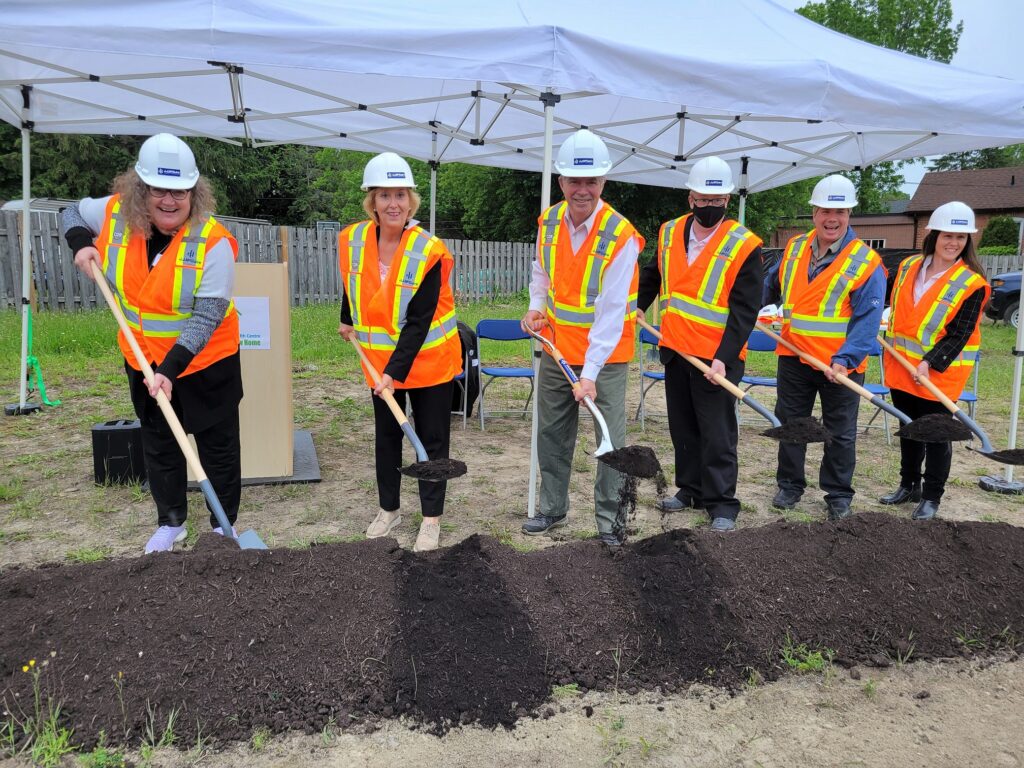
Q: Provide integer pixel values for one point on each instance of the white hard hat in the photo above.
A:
(711, 176)
(583, 154)
(166, 161)
(834, 192)
(387, 170)
(953, 217)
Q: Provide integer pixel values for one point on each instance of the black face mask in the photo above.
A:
(709, 216)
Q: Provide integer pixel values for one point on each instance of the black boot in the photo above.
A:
(926, 510)
(902, 495)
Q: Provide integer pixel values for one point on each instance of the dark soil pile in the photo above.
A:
(935, 428)
(346, 634)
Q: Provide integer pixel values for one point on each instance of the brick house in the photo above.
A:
(989, 191)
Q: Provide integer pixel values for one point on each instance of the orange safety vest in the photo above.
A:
(914, 329)
(576, 279)
(158, 302)
(695, 297)
(815, 314)
(379, 309)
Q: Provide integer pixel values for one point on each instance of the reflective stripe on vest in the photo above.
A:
(412, 268)
(827, 321)
(189, 262)
(609, 226)
(961, 282)
(356, 252)
(706, 307)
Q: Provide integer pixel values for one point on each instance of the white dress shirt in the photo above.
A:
(921, 285)
(611, 303)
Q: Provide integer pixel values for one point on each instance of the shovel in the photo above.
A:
(875, 400)
(1012, 456)
(425, 468)
(804, 432)
(633, 460)
(248, 539)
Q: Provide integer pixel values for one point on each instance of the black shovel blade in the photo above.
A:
(935, 428)
(804, 429)
(1014, 456)
(435, 470)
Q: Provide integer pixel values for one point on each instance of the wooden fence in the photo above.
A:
(483, 270)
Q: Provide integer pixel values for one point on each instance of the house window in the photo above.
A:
(876, 244)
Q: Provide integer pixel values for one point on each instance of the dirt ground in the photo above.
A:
(971, 714)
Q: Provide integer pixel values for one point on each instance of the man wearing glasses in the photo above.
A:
(172, 268)
(708, 278)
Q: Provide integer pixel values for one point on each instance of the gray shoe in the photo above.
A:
(535, 526)
(675, 504)
(723, 524)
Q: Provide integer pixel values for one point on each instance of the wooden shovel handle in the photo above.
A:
(697, 363)
(844, 380)
(922, 381)
(385, 393)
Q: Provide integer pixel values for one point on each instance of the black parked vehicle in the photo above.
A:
(1005, 301)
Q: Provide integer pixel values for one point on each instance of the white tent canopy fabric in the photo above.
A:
(665, 82)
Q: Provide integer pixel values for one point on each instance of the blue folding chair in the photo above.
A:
(501, 330)
(970, 395)
(648, 376)
(757, 342)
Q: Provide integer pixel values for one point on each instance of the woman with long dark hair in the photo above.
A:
(937, 300)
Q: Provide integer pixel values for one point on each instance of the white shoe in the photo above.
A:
(165, 538)
(429, 535)
(383, 524)
(220, 531)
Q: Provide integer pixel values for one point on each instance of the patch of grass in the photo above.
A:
(990, 518)
(259, 739)
(583, 534)
(796, 516)
(103, 756)
(969, 639)
(903, 655)
(36, 733)
(801, 659)
(27, 506)
(568, 691)
(6, 538)
(870, 689)
(88, 555)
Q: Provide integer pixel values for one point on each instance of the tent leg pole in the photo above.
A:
(1006, 483)
(743, 191)
(22, 407)
(433, 182)
(545, 202)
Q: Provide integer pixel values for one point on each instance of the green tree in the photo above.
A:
(993, 157)
(1000, 230)
(922, 28)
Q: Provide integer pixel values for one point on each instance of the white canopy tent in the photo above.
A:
(664, 82)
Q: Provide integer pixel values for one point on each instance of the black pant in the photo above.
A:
(702, 422)
(937, 457)
(220, 453)
(798, 385)
(431, 412)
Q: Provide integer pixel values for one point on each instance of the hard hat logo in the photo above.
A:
(583, 161)
(960, 222)
(396, 174)
(837, 198)
(712, 182)
(168, 172)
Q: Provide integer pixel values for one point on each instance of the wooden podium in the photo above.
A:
(266, 412)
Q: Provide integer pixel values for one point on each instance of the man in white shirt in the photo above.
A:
(583, 287)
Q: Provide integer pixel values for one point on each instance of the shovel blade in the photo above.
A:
(604, 447)
(250, 540)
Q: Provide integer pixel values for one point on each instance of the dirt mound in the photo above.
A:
(231, 640)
